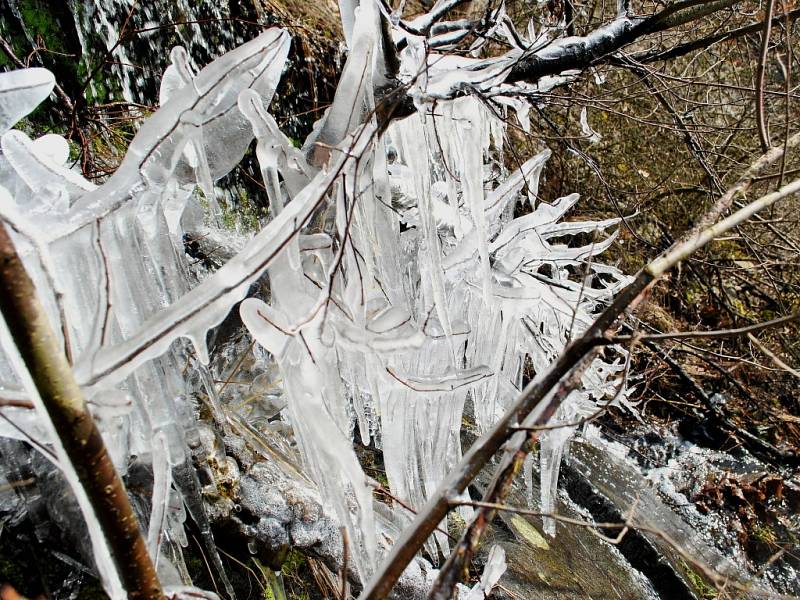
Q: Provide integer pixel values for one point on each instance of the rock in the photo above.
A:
(575, 564)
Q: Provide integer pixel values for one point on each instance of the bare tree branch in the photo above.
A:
(63, 400)
(710, 40)
(761, 117)
(582, 52)
(538, 401)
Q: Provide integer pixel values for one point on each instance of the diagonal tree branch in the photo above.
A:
(538, 402)
(458, 562)
(78, 434)
(710, 40)
(577, 53)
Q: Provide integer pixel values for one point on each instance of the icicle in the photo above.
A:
(470, 132)
(38, 169)
(492, 572)
(161, 486)
(590, 134)
(20, 92)
(177, 75)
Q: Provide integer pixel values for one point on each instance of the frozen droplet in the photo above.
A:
(53, 147)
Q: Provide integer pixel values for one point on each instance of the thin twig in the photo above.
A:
(345, 559)
(772, 356)
(761, 119)
(714, 334)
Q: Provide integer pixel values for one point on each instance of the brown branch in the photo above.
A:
(788, 85)
(11, 403)
(343, 590)
(77, 432)
(710, 40)
(457, 566)
(713, 334)
(761, 118)
(772, 356)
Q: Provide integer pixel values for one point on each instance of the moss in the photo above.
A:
(250, 215)
(42, 24)
(294, 562)
(455, 524)
(525, 530)
(702, 588)
(229, 216)
(763, 533)
(296, 574)
(194, 563)
(97, 92)
(268, 594)
(272, 587)
(49, 27)
(242, 215)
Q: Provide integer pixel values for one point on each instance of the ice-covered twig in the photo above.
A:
(208, 303)
(155, 154)
(20, 92)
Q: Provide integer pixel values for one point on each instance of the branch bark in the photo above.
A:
(583, 52)
(63, 400)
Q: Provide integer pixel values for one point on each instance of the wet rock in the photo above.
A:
(575, 564)
(612, 486)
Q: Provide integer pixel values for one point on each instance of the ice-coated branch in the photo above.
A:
(20, 92)
(564, 55)
(580, 52)
(539, 400)
(78, 436)
(169, 142)
(209, 303)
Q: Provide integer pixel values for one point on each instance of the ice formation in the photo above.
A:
(402, 289)
(494, 569)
